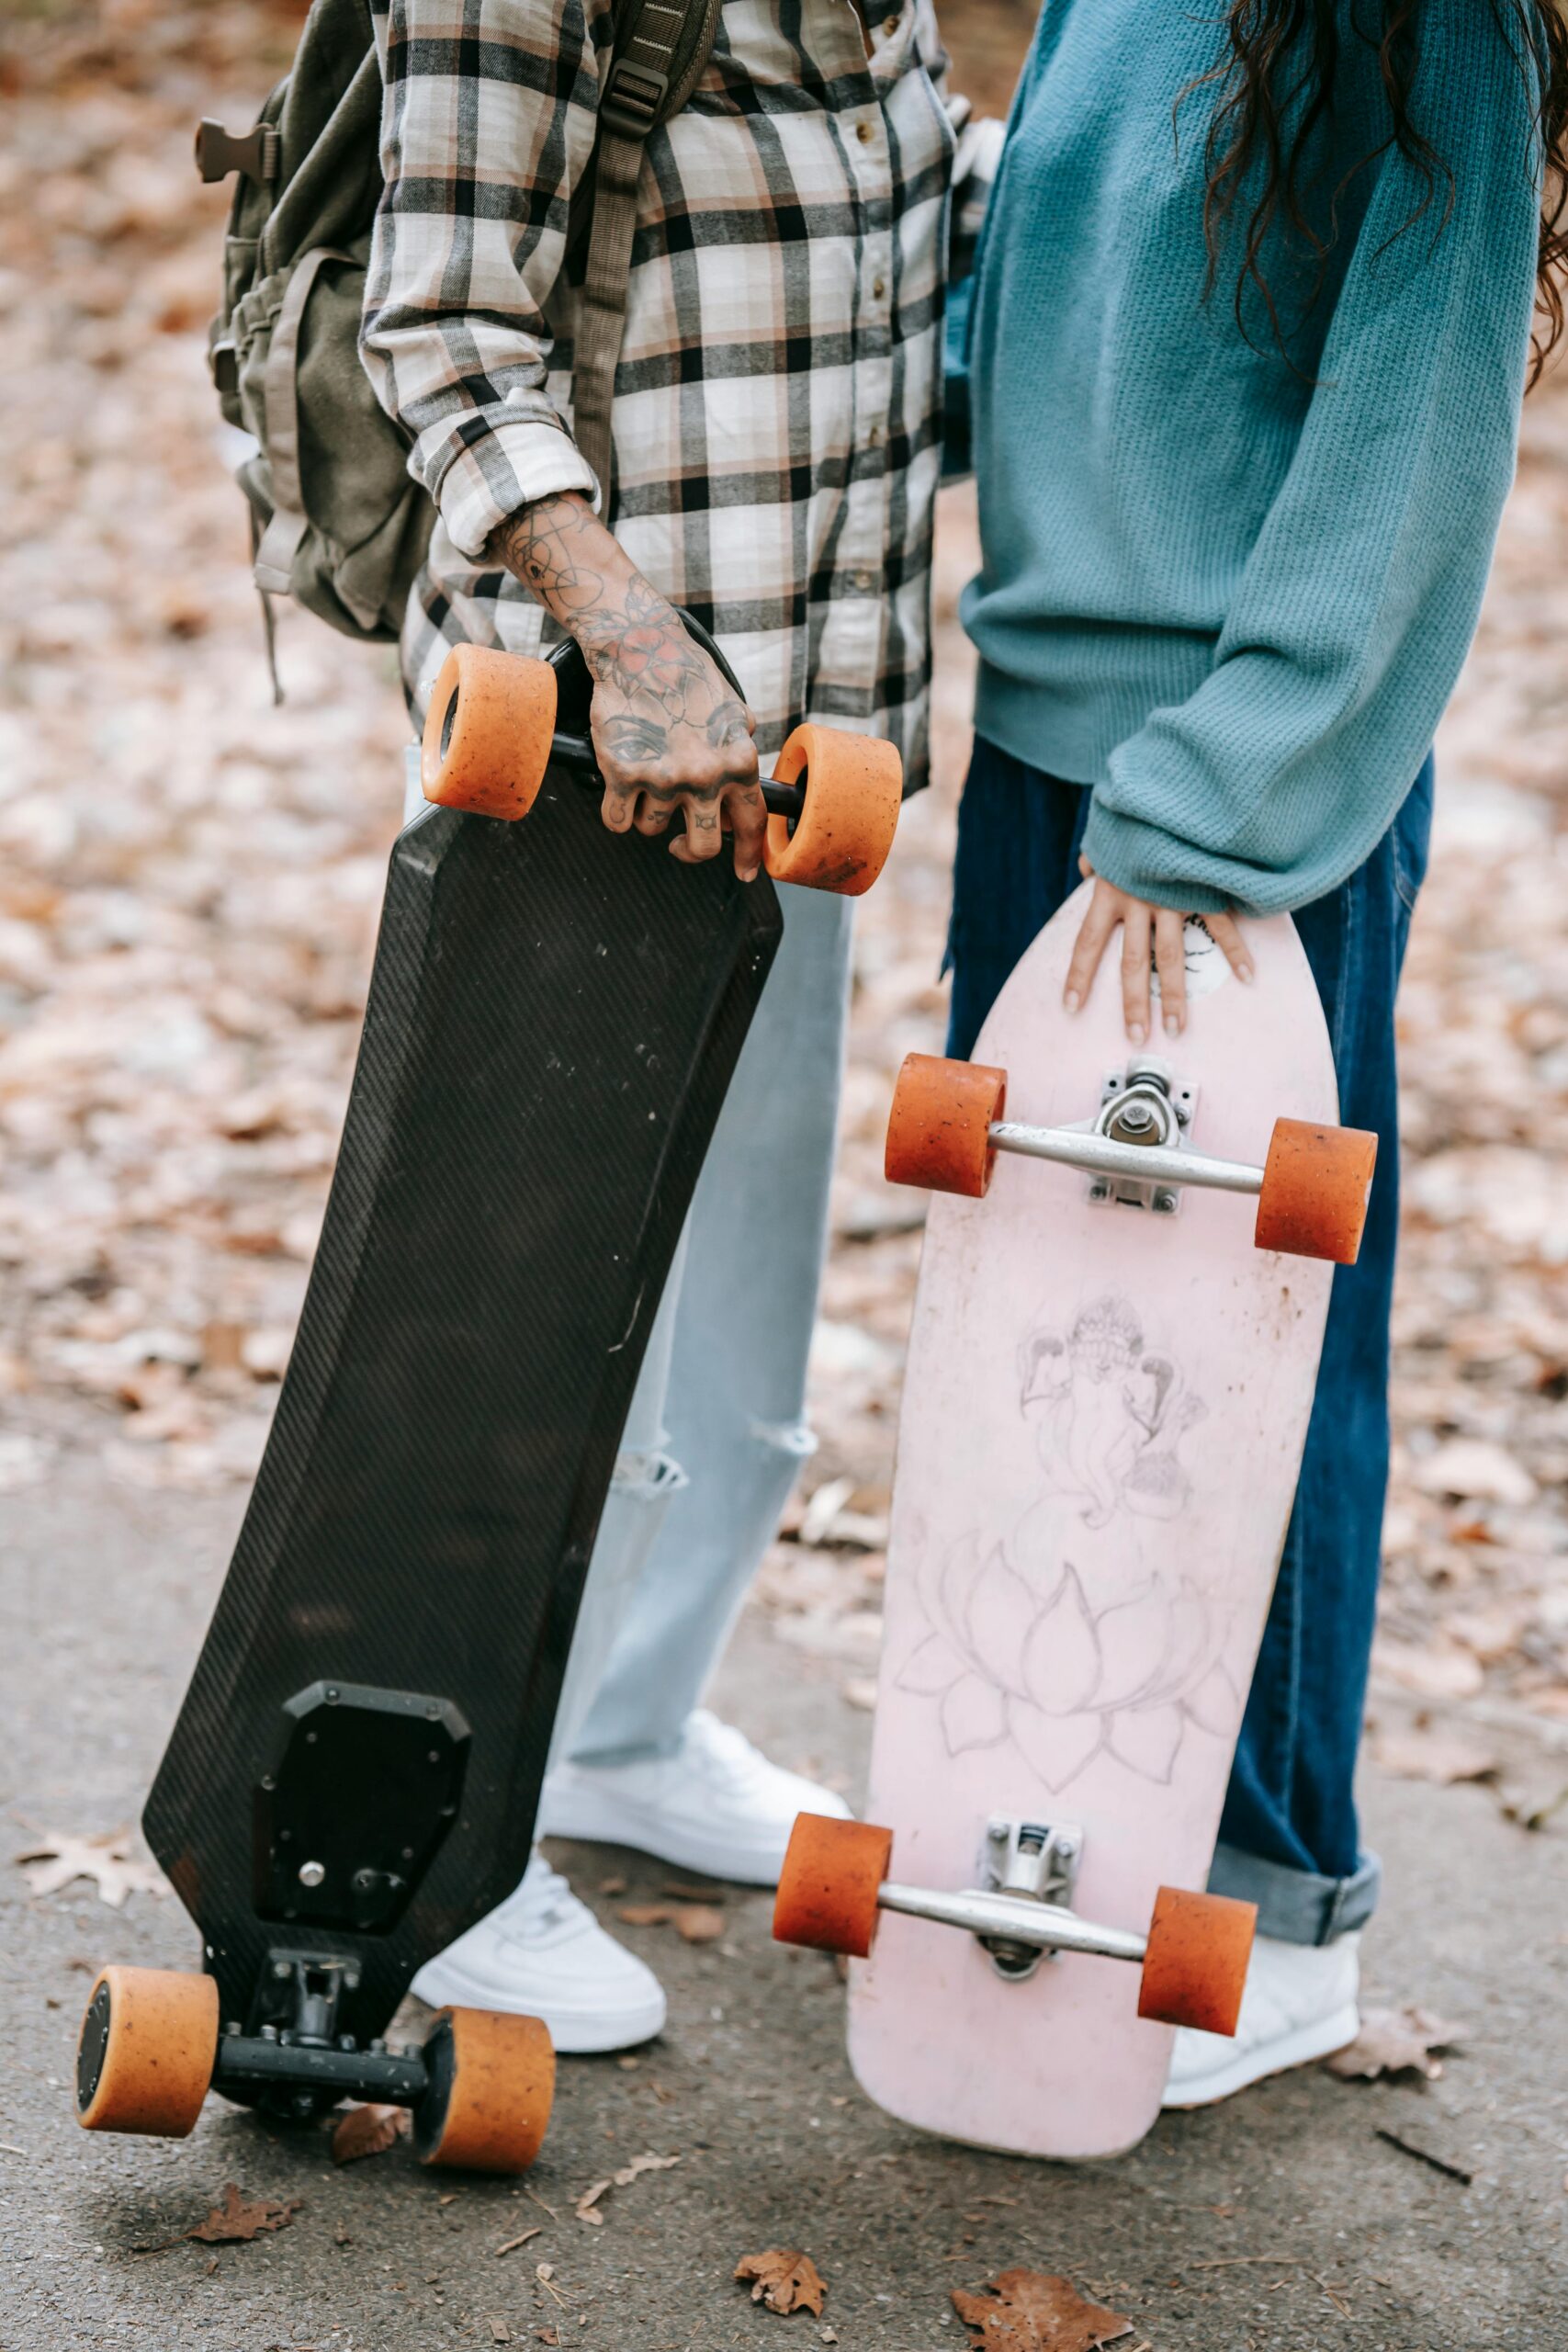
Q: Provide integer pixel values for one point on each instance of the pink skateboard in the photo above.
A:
(1109, 1376)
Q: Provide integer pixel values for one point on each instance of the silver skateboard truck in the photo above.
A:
(836, 1882)
(949, 1122)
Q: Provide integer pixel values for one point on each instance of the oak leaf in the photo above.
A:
(1030, 2310)
(113, 1861)
(239, 2220)
(784, 2278)
(1395, 2042)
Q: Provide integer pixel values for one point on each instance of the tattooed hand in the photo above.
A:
(668, 730)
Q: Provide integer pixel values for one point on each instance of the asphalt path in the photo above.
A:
(1284, 2219)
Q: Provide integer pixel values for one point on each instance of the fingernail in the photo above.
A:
(1072, 999)
(1173, 1025)
(1136, 1032)
(1245, 973)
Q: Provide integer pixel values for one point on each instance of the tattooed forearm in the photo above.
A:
(631, 636)
(668, 729)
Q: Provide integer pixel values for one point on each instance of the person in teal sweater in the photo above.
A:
(1250, 324)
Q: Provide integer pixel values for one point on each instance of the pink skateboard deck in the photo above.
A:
(1104, 1412)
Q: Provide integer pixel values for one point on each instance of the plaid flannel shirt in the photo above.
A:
(777, 412)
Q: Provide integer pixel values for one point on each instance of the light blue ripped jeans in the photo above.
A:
(716, 1430)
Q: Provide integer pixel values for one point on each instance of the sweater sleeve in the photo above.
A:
(485, 132)
(1354, 612)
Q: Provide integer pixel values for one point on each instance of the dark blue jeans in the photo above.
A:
(1288, 1839)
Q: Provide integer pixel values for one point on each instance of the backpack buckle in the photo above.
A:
(219, 153)
(632, 97)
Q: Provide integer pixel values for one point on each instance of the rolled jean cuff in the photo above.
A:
(1298, 1907)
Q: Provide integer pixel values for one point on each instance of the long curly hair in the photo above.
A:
(1274, 88)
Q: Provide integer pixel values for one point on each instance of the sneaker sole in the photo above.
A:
(1298, 2049)
(604, 1821)
(442, 1988)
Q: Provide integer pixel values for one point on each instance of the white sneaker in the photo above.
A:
(544, 1954)
(716, 1806)
(1299, 2003)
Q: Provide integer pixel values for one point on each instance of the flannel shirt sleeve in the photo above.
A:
(977, 151)
(488, 124)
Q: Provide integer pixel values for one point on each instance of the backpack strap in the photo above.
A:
(660, 48)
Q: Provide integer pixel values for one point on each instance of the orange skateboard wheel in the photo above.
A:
(1195, 1967)
(938, 1128)
(145, 2053)
(1316, 1183)
(826, 1897)
(854, 786)
(487, 733)
(492, 2083)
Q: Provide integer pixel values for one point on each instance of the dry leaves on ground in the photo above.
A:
(366, 2131)
(1029, 2310)
(1395, 2042)
(236, 2221)
(189, 880)
(587, 2208)
(696, 1923)
(785, 2280)
(116, 1863)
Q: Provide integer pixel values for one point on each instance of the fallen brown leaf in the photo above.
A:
(680, 1894)
(587, 2204)
(1437, 1671)
(783, 2278)
(1030, 2310)
(1420, 1751)
(1475, 1470)
(1395, 2042)
(238, 2220)
(234, 2222)
(696, 1923)
(366, 2131)
(115, 1862)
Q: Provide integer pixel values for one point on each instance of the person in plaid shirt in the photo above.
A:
(776, 435)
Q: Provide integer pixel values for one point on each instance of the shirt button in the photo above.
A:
(863, 132)
(891, 26)
(878, 288)
(863, 582)
(874, 436)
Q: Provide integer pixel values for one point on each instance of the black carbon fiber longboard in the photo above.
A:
(554, 1015)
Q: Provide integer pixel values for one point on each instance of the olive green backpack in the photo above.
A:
(338, 523)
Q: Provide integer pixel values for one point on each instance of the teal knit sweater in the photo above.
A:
(1232, 594)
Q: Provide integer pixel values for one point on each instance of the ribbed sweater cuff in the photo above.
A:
(1141, 859)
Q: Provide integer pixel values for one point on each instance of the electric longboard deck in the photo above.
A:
(554, 1015)
(1109, 1380)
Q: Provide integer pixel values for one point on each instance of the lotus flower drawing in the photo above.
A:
(1069, 1660)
